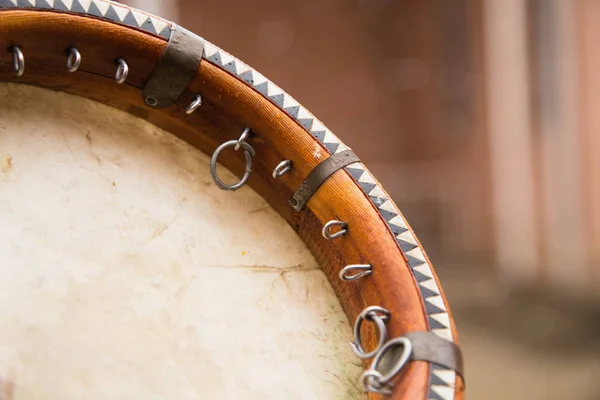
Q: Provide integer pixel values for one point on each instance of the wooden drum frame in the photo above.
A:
(88, 47)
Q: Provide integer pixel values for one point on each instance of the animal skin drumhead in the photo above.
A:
(125, 273)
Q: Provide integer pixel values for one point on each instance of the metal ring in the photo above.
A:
(242, 139)
(122, 70)
(282, 168)
(383, 382)
(248, 153)
(197, 102)
(151, 101)
(73, 59)
(327, 234)
(370, 314)
(365, 270)
(371, 381)
(18, 60)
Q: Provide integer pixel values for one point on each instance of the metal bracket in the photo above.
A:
(427, 346)
(175, 69)
(318, 175)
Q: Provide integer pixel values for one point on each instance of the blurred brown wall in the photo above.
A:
(589, 32)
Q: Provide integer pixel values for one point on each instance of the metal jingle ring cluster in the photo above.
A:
(373, 380)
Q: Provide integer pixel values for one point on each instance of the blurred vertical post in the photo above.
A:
(554, 79)
(509, 123)
(588, 28)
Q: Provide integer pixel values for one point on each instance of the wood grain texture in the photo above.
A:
(229, 106)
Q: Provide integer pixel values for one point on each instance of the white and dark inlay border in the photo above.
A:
(102, 9)
(442, 380)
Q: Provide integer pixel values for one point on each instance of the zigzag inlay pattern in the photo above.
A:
(441, 383)
(438, 318)
(271, 91)
(103, 9)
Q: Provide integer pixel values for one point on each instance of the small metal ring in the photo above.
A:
(242, 139)
(122, 70)
(248, 153)
(73, 59)
(365, 270)
(18, 60)
(371, 381)
(197, 102)
(327, 234)
(370, 314)
(282, 168)
(151, 101)
(383, 381)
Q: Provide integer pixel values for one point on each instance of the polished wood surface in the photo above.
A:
(229, 106)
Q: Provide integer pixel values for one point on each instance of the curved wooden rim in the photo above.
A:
(235, 96)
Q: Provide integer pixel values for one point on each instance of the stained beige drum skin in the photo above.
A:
(125, 273)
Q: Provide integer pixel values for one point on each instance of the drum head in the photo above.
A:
(127, 274)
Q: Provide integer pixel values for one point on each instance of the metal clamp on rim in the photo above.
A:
(427, 346)
(319, 175)
(248, 154)
(175, 69)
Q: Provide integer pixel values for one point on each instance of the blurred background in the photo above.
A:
(480, 119)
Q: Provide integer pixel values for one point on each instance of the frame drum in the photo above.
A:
(174, 225)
